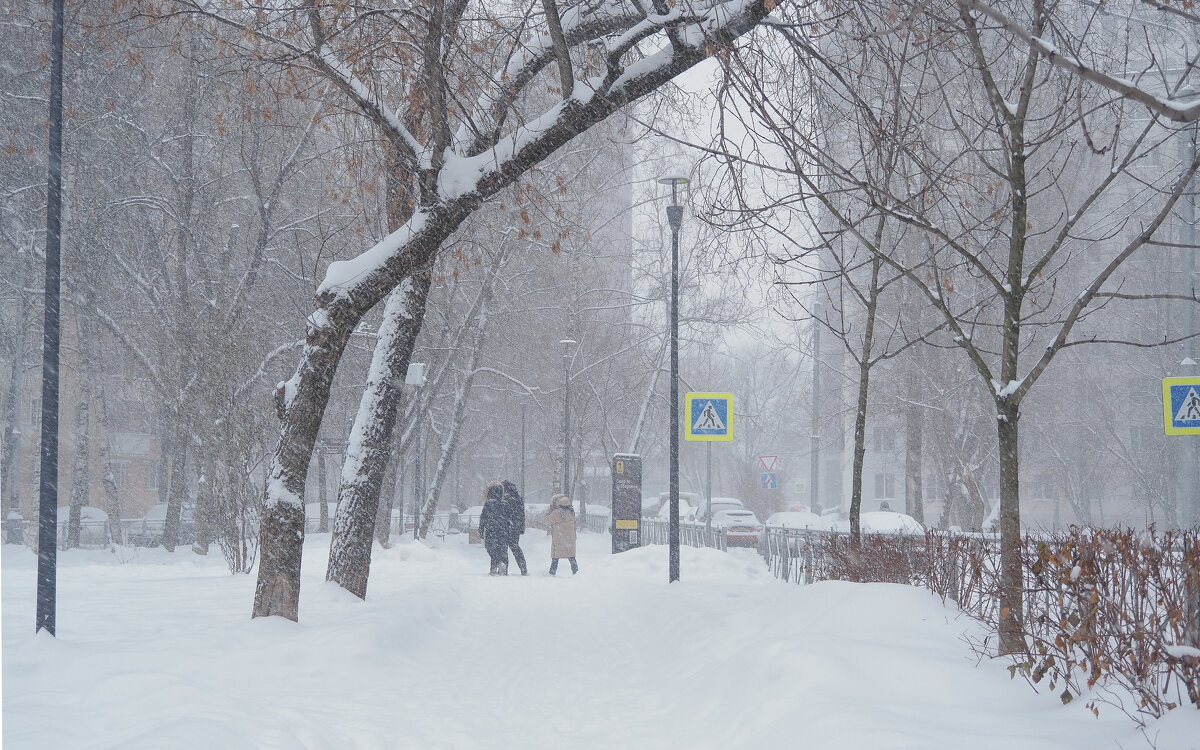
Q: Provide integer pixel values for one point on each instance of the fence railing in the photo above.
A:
(1098, 606)
(657, 531)
(810, 555)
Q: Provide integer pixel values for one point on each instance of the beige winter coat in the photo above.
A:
(560, 517)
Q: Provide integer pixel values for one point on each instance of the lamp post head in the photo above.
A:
(415, 375)
(676, 182)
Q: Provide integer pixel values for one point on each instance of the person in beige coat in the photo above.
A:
(560, 517)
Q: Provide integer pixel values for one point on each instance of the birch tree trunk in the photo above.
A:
(10, 462)
(80, 467)
(914, 423)
(170, 534)
(322, 492)
(112, 500)
(371, 437)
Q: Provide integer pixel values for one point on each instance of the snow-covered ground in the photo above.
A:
(158, 651)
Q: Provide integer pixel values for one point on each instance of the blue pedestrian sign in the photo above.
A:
(769, 480)
(708, 417)
(1181, 405)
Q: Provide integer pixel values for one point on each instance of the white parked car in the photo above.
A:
(687, 506)
(883, 522)
(741, 527)
(718, 504)
(798, 519)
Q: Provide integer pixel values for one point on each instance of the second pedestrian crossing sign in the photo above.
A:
(1181, 405)
(708, 417)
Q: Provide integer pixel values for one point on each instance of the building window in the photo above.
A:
(885, 486)
(34, 415)
(151, 475)
(120, 474)
(884, 440)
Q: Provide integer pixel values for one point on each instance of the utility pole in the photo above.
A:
(567, 344)
(675, 218)
(1189, 483)
(814, 482)
(47, 575)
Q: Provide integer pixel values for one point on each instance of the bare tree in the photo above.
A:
(1024, 185)
(455, 170)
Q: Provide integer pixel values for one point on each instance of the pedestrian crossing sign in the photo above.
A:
(1181, 405)
(708, 417)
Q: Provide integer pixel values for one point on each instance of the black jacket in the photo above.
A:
(494, 525)
(514, 511)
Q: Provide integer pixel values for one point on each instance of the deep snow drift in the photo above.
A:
(156, 650)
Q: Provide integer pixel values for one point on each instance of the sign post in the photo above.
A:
(626, 501)
(709, 418)
(1181, 416)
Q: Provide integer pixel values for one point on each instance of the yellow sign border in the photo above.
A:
(1168, 417)
(687, 418)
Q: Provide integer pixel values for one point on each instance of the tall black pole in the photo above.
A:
(675, 217)
(419, 504)
(48, 489)
(814, 481)
(567, 415)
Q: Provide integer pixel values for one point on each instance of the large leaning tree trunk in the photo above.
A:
(492, 149)
(371, 438)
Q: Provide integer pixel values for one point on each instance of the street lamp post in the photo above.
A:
(47, 569)
(567, 344)
(814, 480)
(1189, 479)
(675, 218)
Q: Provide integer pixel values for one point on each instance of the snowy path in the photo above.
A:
(159, 652)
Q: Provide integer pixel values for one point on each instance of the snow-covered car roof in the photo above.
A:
(883, 522)
(734, 517)
(798, 519)
(888, 522)
(724, 501)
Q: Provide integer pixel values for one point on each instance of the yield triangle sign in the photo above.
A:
(708, 419)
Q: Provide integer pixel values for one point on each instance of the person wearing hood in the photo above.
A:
(560, 517)
(515, 507)
(495, 529)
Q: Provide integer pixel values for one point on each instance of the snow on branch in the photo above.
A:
(465, 180)
(1176, 110)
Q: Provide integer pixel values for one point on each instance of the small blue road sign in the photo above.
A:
(769, 480)
(708, 416)
(1181, 405)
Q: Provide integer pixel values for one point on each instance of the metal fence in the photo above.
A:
(809, 555)
(1098, 605)
(657, 531)
(96, 534)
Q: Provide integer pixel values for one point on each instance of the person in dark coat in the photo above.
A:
(516, 521)
(495, 529)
